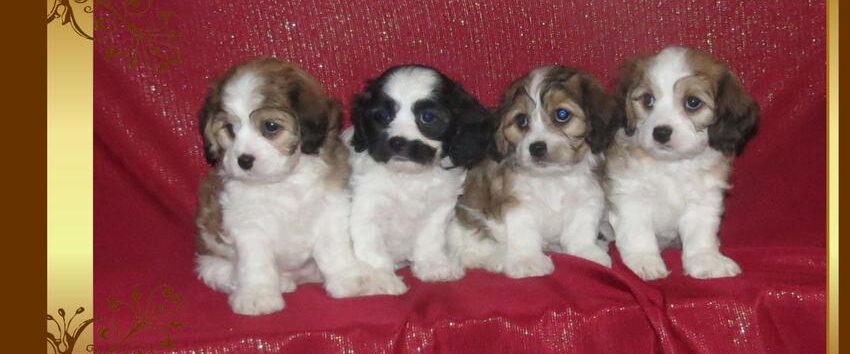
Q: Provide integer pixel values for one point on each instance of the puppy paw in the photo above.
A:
(529, 266)
(255, 302)
(444, 270)
(709, 265)
(647, 266)
(594, 254)
(382, 283)
(344, 286)
(287, 285)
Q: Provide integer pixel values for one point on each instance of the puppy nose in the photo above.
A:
(537, 149)
(397, 144)
(662, 133)
(245, 161)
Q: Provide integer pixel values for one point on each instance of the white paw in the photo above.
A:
(216, 272)
(710, 265)
(382, 283)
(647, 266)
(445, 270)
(287, 285)
(344, 286)
(255, 302)
(529, 266)
(595, 254)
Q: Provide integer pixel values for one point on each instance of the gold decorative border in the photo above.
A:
(832, 175)
(63, 9)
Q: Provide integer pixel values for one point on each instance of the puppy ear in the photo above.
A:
(501, 147)
(209, 127)
(358, 121)
(602, 111)
(629, 75)
(473, 131)
(315, 114)
(737, 116)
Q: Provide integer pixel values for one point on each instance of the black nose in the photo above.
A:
(537, 149)
(397, 144)
(245, 161)
(662, 133)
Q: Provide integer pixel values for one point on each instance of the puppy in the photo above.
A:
(415, 134)
(274, 212)
(541, 189)
(687, 116)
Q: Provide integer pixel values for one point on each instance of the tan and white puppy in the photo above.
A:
(687, 115)
(541, 189)
(274, 211)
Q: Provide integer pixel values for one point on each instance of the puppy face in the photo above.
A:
(261, 117)
(553, 117)
(413, 117)
(681, 101)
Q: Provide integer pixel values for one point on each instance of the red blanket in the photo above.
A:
(154, 60)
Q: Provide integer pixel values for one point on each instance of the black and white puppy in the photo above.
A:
(687, 116)
(415, 134)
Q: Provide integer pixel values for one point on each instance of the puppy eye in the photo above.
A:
(383, 116)
(648, 100)
(427, 117)
(270, 127)
(693, 103)
(562, 115)
(229, 128)
(521, 120)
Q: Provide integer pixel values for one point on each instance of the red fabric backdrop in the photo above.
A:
(155, 59)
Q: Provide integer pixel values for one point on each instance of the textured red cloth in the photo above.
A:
(154, 60)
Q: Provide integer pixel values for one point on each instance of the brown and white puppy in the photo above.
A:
(541, 190)
(687, 115)
(274, 211)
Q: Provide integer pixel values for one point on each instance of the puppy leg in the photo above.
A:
(367, 240)
(216, 272)
(579, 236)
(344, 274)
(257, 280)
(473, 248)
(701, 255)
(524, 255)
(430, 255)
(635, 239)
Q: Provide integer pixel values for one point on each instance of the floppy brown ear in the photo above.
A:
(501, 147)
(316, 115)
(629, 75)
(602, 111)
(209, 127)
(737, 116)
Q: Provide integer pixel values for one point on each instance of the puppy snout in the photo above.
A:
(397, 144)
(662, 133)
(537, 149)
(245, 161)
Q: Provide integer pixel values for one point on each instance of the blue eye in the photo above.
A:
(521, 120)
(562, 115)
(693, 103)
(427, 117)
(271, 127)
(383, 116)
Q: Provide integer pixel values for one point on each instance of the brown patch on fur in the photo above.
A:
(486, 191)
(208, 216)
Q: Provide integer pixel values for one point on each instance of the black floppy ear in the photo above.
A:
(209, 127)
(358, 121)
(315, 113)
(473, 134)
(602, 111)
(737, 116)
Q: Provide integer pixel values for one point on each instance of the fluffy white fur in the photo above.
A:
(676, 192)
(284, 225)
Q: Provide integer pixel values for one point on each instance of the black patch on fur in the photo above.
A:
(314, 114)
(462, 125)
